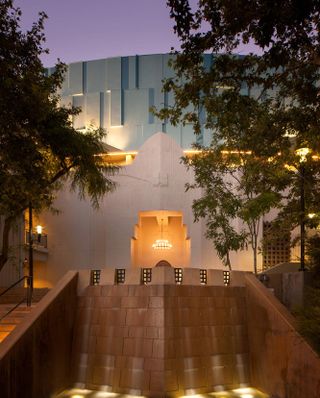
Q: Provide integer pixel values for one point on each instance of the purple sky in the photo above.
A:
(91, 29)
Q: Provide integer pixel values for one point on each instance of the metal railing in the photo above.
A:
(27, 298)
(39, 240)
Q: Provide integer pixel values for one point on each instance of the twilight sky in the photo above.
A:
(90, 29)
(79, 30)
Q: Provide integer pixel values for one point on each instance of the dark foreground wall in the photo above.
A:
(35, 357)
(281, 362)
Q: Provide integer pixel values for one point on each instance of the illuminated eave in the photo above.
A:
(123, 158)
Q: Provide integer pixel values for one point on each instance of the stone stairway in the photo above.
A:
(9, 323)
(8, 301)
(18, 293)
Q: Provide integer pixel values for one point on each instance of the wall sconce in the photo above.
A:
(226, 278)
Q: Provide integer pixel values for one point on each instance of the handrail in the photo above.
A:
(14, 284)
(12, 309)
(28, 297)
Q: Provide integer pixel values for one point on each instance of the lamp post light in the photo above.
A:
(302, 153)
(39, 232)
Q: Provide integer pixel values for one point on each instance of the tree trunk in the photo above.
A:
(5, 241)
(255, 254)
(228, 262)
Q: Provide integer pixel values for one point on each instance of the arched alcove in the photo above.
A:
(155, 225)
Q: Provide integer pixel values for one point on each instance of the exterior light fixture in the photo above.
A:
(162, 244)
(39, 229)
(226, 278)
(39, 232)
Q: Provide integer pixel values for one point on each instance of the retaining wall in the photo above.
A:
(35, 359)
(281, 362)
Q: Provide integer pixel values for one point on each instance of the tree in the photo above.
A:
(219, 204)
(251, 103)
(309, 315)
(235, 187)
(39, 148)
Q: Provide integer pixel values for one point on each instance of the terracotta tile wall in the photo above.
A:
(161, 338)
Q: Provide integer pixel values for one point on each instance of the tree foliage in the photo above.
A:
(309, 314)
(39, 148)
(252, 103)
(234, 188)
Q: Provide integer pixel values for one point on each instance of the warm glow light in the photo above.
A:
(224, 152)
(191, 151)
(290, 133)
(237, 393)
(248, 393)
(290, 168)
(129, 159)
(162, 244)
(119, 153)
(311, 215)
(302, 153)
(39, 229)
(227, 152)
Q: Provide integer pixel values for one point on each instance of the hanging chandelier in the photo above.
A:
(161, 244)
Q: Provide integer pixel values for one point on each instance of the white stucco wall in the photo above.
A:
(81, 237)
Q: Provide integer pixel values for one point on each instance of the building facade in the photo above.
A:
(150, 202)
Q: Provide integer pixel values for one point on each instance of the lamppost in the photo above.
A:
(302, 153)
(30, 249)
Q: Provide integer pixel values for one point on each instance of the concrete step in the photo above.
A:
(3, 335)
(9, 323)
(19, 293)
(7, 327)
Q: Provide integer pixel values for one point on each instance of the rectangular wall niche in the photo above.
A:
(158, 225)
